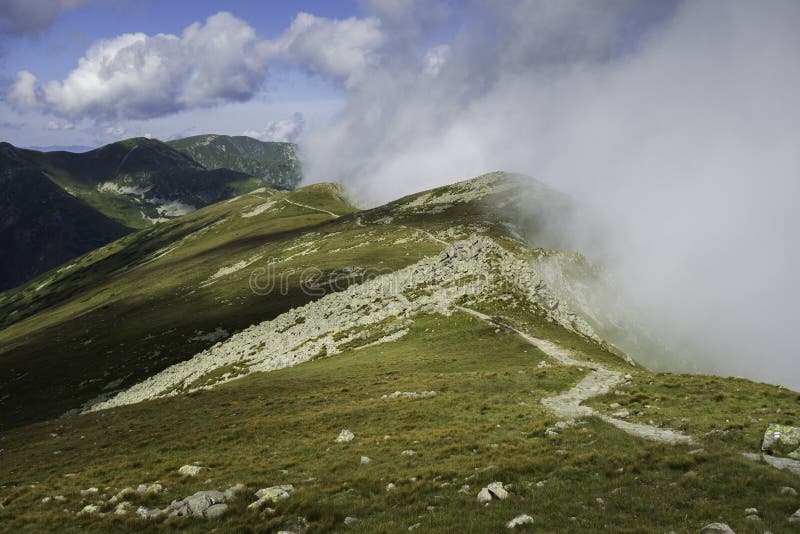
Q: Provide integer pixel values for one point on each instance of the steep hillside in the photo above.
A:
(41, 225)
(155, 297)
(276, 164)
(140, 181)
(282, 361)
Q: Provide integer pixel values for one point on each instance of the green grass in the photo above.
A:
(485, 424)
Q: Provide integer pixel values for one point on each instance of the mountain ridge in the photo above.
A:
(135, 183)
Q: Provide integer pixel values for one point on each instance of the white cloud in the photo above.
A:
(56, 125)
(343, 49)
(286, 130)
(28, 17)
(138, 76)
(684, 136)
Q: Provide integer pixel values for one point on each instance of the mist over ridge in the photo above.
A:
(679, 127)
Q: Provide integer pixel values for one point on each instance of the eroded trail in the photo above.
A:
(569, 405)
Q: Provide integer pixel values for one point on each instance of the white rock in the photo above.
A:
(350, 520)
(345, 436)
(46, 500)
(523, 519)
(365, 460)
(90, 509)
(390, 486)
(717, 528)
(271, 495)
(191, 470)
(498, 490)
(408, 452)
(786, 490)
(484, 496)
(146, 513)
(90, 491)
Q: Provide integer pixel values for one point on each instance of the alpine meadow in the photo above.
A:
(399, 266)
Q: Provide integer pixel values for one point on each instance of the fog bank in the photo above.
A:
(680, 124)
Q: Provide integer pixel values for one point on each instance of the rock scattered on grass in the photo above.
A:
(345, 436)
(786, 490)
(149, 488)
(148, 513)
(272, 494)
(495, 490)
(90, 491)
(795, 517)
(409, 452)
(390, 486)
(409, 395)
(351, 520)
(198, 505)
(191, 470)
(780, 439)
(89, 509)
(520, 520)
(415, 526)
(717, 528)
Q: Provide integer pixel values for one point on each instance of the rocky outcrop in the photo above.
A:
(474, 269)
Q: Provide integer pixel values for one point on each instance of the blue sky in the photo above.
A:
(54, 51)
(293, 74)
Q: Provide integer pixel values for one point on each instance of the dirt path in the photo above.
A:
(310, 207)
(569, 405)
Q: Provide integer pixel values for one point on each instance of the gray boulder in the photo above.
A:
(197, 505)
(717, 528)
(216, 510)
(782, 440)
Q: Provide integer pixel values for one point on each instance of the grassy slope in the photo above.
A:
(132, 308)
(253, 429)
(485, 424)
(138, 305)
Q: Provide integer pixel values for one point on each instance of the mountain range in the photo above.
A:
(121, 187)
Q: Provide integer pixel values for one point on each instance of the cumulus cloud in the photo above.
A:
(29, 17)
(286, 130)
(343, 49)
(56, 125)
(677, 124)
(139, 76)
